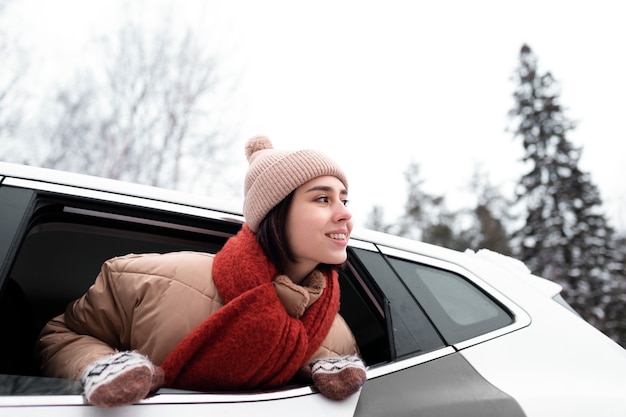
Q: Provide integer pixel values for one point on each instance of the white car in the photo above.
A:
(444, 333)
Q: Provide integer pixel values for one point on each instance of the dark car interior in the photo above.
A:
(65, 241)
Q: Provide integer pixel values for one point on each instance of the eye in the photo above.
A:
(323, 199)
(345, 202)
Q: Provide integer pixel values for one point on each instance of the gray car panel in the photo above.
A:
(446, 387)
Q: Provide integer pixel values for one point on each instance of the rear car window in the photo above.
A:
(458, 308)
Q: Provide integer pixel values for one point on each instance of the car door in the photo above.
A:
(434, 310)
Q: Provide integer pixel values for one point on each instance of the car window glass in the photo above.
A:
(458, 308)
(15, 205)
(365, 319)
(412, 331)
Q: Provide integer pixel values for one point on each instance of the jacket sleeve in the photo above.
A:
(92, 327)
(64, 353)
(339, 342)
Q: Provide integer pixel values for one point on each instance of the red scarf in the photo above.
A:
(251, 342)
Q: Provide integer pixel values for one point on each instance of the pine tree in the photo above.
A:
(427, 218)
(375, 219)
(487, 218)
(566, 236)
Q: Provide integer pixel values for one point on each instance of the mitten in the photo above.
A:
(120, 379)
(338, 377)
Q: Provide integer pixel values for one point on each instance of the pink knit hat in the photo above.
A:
(273, 174)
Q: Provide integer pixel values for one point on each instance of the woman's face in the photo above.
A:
(318, 225)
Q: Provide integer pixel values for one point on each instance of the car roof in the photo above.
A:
(89, 182)
(58, 177)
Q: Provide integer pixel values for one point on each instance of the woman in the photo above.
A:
(256, 314)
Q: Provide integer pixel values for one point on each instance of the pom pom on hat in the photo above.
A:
(274, 174)
(257, 144)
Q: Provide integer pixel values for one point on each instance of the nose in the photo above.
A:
(342, 212)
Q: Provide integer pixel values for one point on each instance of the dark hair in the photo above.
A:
(272, 236)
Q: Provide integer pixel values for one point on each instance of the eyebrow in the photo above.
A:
(327, 189)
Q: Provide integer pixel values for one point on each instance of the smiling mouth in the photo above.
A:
(337, 236)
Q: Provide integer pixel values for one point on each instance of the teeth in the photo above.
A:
(338, 236)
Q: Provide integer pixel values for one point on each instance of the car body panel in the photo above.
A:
(571, 360)
(547, 361)
(446, 387)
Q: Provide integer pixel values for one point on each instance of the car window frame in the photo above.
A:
(116, 207)
(427, 285)
(413, 333)
(521, 319)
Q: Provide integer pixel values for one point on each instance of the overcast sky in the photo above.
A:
(378, 84)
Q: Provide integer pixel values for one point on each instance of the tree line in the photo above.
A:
(555, 222)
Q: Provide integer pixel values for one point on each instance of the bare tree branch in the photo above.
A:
(146, 120)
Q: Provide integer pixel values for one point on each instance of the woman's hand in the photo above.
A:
(338, 377)
(120, 379)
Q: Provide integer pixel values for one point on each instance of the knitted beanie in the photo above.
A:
(274, 174)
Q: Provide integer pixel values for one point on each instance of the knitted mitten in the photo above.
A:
(119, 379)
(339, 377)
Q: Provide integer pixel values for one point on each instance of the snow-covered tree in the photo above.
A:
(565, 236)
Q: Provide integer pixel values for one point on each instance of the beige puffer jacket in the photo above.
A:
(149, 303)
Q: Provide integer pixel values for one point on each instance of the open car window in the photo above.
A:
(59, 247)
